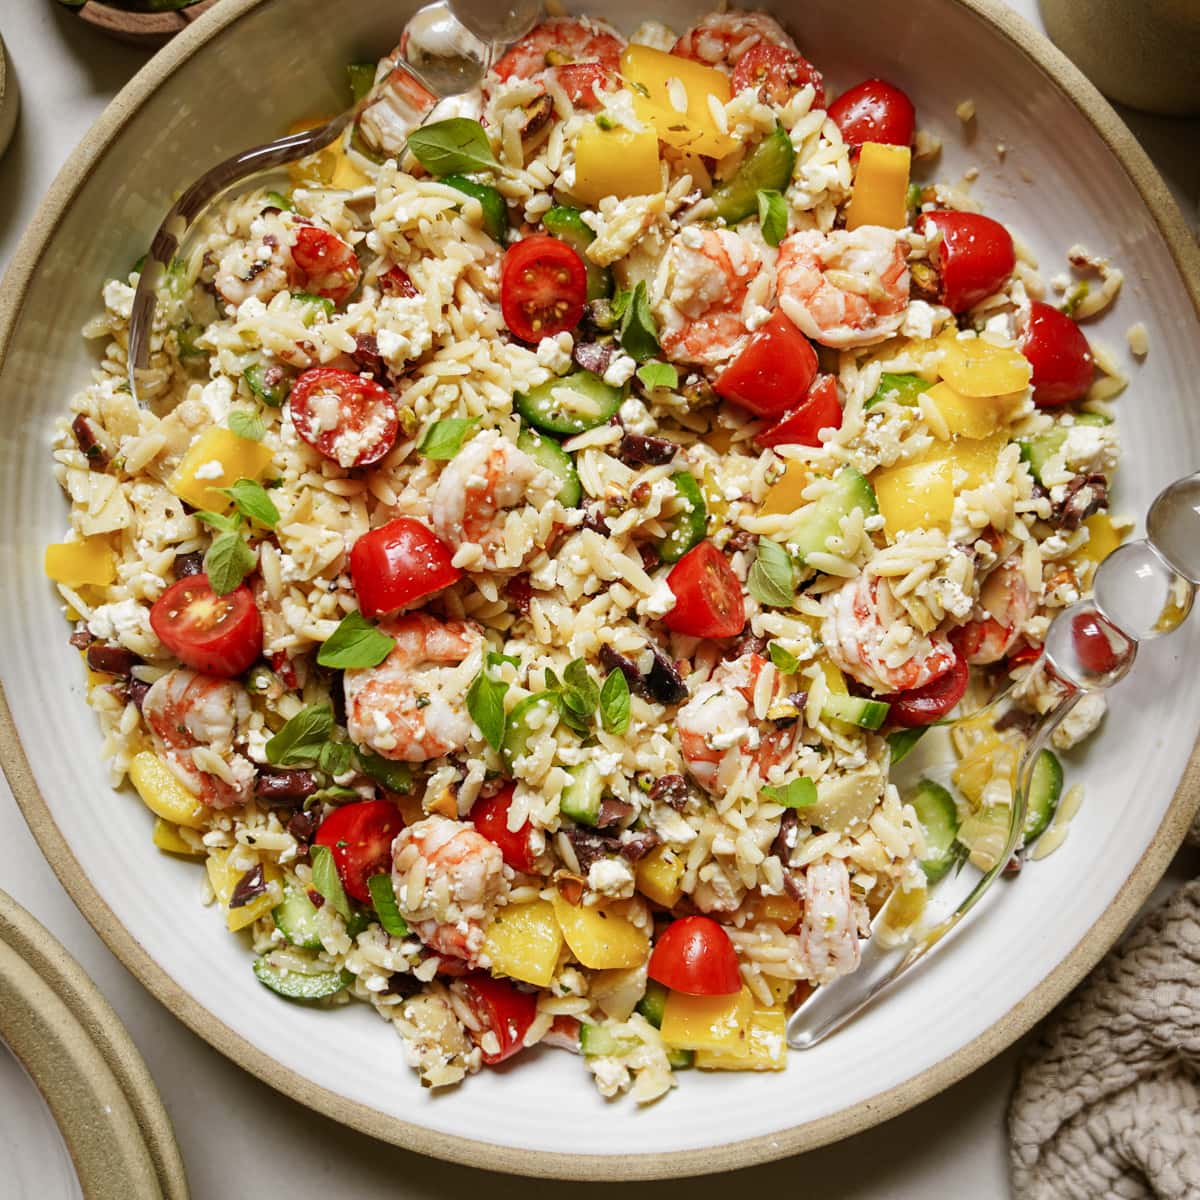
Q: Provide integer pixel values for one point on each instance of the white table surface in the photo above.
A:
(238, 1136)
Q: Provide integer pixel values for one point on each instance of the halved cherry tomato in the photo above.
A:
(502, 1009)
(491, 819)
(924, 705)
(819, 410)
(398, 563)
(974, 259)
(708, 596)
(359, 837)
(774, 371)
(874, 111)
(343, 416)
(217, 635)
(694, 955)
(1094, 644)
(395, 281)
(329, 265)
(1059, 354)
(543, 287)
(580, 81)
(777, 74)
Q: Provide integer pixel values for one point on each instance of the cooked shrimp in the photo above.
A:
(828, 932)
(1005, 604)
(869, 636)
(448, 881)
(704, 282)
(580, 54)
(412, 707)
(394, 107)
(195, 720)
(486, 486)
(721, 39)
(845, 288)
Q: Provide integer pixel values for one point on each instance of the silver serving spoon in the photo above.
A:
(448, 46)
(1143, 590)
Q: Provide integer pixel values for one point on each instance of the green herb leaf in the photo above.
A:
(443, 439)
(333, 793)
(252, 501)
(248, 425)
(394, 776)
(658, 375)
(355, 643)
(638, 332)
(325, 880)
(604, 121)
(453, 147)
(228, 561)
(772, 578)
(383, 898)
(485, 703)
(279, 200)
(578, 679)
(300, 741)
(903, 741)
(495, 658)
(315, 305)
(796, 793)
(362, 79)
(225, 522)
(784, 660)
(772, 216)
(336, 758)
(614, 702)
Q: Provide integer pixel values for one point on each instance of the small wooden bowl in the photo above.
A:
(141, 28)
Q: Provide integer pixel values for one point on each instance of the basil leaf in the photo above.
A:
(784, 660)
(394, 776)
(772, 578)
(485, 703)
(772, 216)
(614, 702)
(796, 793)
(443, 439)
(638, 333)
(228, 561)
(301, 739)
(336, 758)
(355, 643)
(454, 147)
(495, 658)
(658, 375)
(383, 899)
(325, 879)
(222, 521)
(252, 501)
(248, 425)
(903, 741)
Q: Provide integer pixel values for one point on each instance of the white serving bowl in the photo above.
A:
(1071, 173)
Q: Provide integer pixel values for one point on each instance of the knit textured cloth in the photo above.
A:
(1108, 1099)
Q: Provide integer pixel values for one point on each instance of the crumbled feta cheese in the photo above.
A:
(620, 371)
(730, 738)
(554, 353)
(659, 602)
(213, 469)
(1081, 721)
(653, 34)
(118, 298)
(610, 877)
(1089, 448)
(217, 397)
(636, 418)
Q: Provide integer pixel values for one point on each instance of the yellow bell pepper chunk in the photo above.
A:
(880, 195)
(659, 876)
(784, 495)
(524, 942)
(974, 366)
(331, 166)
(1103, 538)
(764, 1047)
(917, 495)
(224, 878)
(715, 1023)
(167, 839)
(993, 757)
(781, 990)
(615, 162)
(163, 794)
(977, 458)
(600, 937)
(835, 681)
(217, 459)
(654, 77)
(973, 416)
(80, 563)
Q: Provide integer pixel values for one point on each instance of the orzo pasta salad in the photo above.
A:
(546, 518)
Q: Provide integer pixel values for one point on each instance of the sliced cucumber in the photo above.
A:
(687, 527)
(531, 717)
(296, 919)
(653, 1004)
(546, 452)
(938, 815)
(596, 1040)
(1045, 789)
(297, 986)
(495, 212)
(314, 305)
(680, 1060)
(855, 710)
(280, 201)
(899, 389)
(850, 490)
(273, 394)
(581, 797)
(568, 226)
(395, 776)
(570, 405)
(769, 166)
(1039, 449)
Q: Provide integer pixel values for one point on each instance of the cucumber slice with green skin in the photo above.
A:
(1045, 790)
(295, 986)
(359, 920)
(296, 918)
(1039, 449)
(936, 810)
(855, 710)
(595, 1040)
(680, 1060)
(362, 79)
(314, 305)
(769, 167)
(580, 799)
(495, 212)
(568, 226)
(899, 389)
(280, 201)
(688, 526)
(546, 452)
(573, 404)
(850, 490)
(272, 394)
(653, 1004)
(541, 708)
(395, 776)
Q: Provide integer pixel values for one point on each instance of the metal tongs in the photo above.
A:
(1143, 590)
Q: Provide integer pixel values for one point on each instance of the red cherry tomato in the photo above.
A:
(1024, 656)
(502, 1009)
(359, 837)
(874, 111)
(774, 372)
(330, 267)
(543, 286)
(343, 416)
(708, 596)
(217, 635)
(1059, 354)
(398, 563)
(819, 410)
(924, 705)
(1093, 643)
(491, 819)
(395, 281)
(581, 81)
(694, 955)
(777, 74)
(975, 257)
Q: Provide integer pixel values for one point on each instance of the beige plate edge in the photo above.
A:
(1067, 78)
